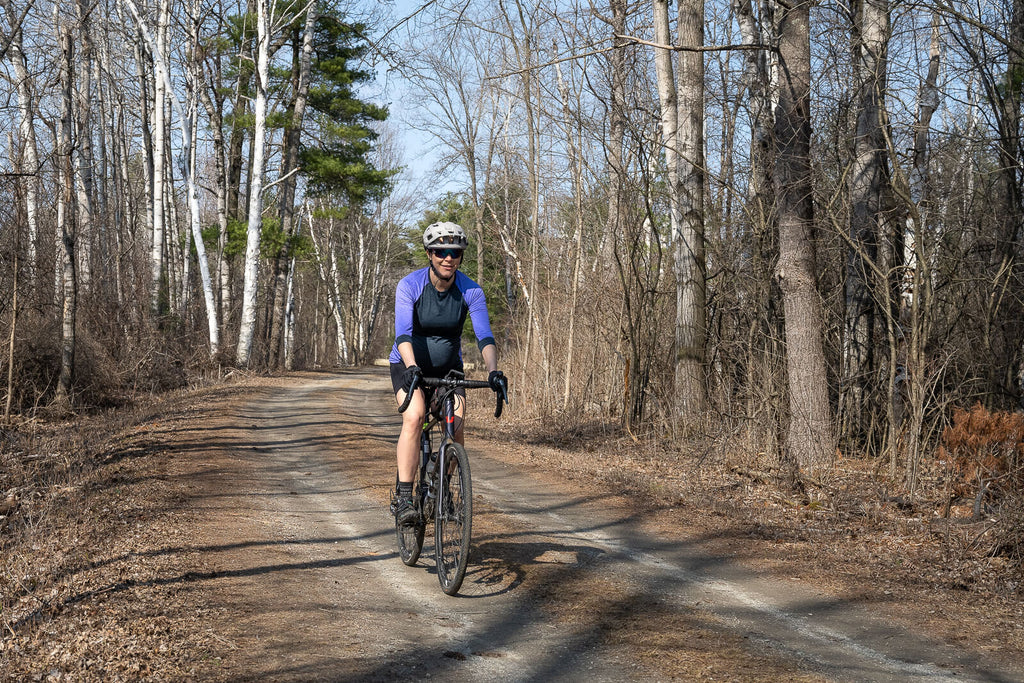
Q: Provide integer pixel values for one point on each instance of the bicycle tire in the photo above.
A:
(453, 525)
(410, 537)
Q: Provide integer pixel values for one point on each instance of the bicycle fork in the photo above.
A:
(442, 464)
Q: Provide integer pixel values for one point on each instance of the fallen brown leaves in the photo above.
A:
(852, 534)
(94, 569)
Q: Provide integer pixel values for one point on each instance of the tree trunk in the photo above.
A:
(142, 58)
(189, 122)
(524, 52)
(330, 276)
(124, 212)
(187, 119)
(252, 244)
(289, 310)
(868, 180)
(616, 123)
(157, 264)
(690, 265)
(84, 156)
(69, 288)
(215, 112)
(574, 145)
(290, 162)
(29, 154)
(12, 337)
(235, 162)
(765, 381)
(911, 388)
(810, 439)
(1010, 155)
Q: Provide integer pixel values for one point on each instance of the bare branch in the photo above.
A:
(15, 27)
(636, 41)
(697, 48)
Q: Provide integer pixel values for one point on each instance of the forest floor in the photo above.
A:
(240, 532)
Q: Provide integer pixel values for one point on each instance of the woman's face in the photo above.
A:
(445, 261)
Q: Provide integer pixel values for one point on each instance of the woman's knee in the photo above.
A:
(412, 418)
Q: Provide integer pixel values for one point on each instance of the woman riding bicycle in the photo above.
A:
(431, 305)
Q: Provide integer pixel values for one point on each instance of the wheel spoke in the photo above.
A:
(453, 521)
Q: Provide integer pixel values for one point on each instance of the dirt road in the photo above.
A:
(566, 580)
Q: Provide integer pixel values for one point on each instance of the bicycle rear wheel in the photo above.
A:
(453, 520)
(410, 537)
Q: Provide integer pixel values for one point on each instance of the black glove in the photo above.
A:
(412, 373)
(499, 383)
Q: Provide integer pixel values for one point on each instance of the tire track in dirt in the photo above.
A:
(564, 583)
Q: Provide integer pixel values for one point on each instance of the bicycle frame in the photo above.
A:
(447, 420)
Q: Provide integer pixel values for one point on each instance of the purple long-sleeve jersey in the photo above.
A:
(432, 321)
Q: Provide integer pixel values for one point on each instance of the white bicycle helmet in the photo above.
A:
(445, 234)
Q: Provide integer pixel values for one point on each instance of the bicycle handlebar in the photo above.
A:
(451, 383)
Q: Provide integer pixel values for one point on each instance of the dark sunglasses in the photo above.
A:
(445, 253)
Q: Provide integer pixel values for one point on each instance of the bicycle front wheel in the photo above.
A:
(453, 520)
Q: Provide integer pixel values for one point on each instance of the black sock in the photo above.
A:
(405, 489)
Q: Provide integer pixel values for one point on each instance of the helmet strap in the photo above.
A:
(438, 275)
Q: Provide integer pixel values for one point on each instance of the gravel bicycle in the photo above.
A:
(442, 491)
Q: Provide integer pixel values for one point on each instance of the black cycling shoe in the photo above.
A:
(405, 511)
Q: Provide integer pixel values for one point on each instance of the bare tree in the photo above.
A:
(574, 144)
(912, 387)
(810, 440)
(29, 154)
(521, 33)
(460, 101)
(690, 265)
(68, 291)
(159, 152)
(187, 117)
(868, 185)
(264, 23)
(615, 145)
(290, 164)
(84, 160)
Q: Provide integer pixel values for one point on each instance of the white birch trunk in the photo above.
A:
(157, 265)
(221, 191)
(29, 154)
(333, 289)
(146, 127)
(332, 281)
(67, 292)
(252, 244)
(360, 294)
(189, 125)
(84, 157)
(187, 119)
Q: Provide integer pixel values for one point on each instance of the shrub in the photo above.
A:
(985, 453)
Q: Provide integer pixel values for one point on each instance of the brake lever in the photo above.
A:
(408, 397)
